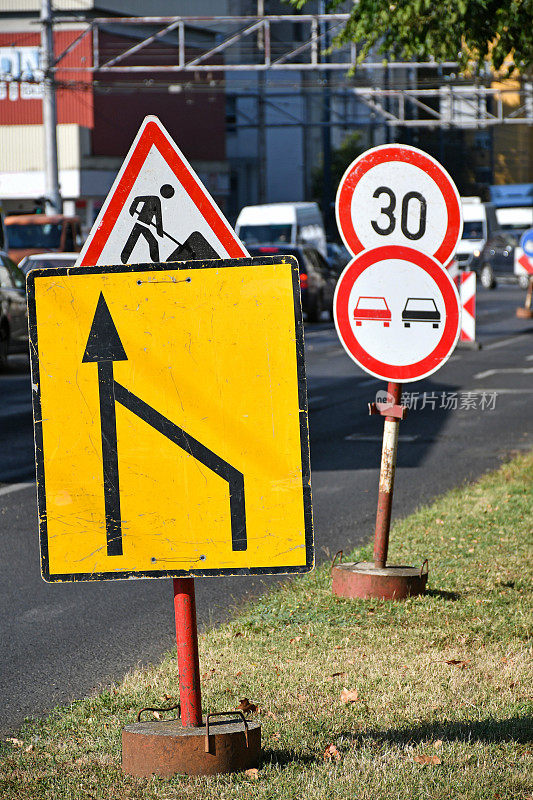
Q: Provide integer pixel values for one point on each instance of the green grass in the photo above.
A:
(294, 651)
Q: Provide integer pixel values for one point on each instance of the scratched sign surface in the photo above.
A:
(170, 419)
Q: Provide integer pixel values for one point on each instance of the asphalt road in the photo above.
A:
(61, 641)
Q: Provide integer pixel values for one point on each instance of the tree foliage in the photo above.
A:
(469, 31)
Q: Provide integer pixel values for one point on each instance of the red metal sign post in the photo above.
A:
(386, 480)
(397, 313)
(187, 644)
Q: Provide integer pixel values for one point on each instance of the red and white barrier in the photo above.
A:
(466, 286)
(523, 264)
(467, 293)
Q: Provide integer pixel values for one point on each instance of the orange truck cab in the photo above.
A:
(41, 233)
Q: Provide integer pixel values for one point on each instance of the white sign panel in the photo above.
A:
(398, 195)
(397, 313)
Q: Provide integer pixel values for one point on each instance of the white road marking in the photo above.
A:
(15, 487)
(370, 382)
(485, 390)
(508, 370)
(505, 342)
(362, 437)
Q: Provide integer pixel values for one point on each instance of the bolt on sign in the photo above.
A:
(170, 415)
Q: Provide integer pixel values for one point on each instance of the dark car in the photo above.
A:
(338, 256)
(497, 258)
(317, 278)
(13, 315)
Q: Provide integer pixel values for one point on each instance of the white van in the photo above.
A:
(515, 218)
(475, 230)
(282, 223)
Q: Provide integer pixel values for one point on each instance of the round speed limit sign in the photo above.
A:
(398, 195)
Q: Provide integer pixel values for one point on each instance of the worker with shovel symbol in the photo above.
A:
(149, 214)
(195, 246)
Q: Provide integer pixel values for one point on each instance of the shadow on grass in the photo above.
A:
(444, 595)
(282, 758)
(514, 729)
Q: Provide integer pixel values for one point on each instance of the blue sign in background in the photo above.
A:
(526, 242)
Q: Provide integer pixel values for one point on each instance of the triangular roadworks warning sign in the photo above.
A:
(158, 210)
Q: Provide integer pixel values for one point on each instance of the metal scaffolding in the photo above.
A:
(219, 45)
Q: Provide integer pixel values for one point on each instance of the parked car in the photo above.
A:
(496, 261)
(13, 313)
(317, 278)
(338, 255)
(47, 261)
(478, 222)
(277, 223)
(39, 233)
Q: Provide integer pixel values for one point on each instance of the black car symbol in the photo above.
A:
(420, 309)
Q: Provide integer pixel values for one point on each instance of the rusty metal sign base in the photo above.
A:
(524, 313)
(363, 579)
(168, 748)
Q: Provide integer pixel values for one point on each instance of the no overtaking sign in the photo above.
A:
(397, 311)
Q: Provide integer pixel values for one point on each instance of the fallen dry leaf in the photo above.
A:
(252, 773)
(269, 714)
(302, 698)
(427, 760)
(437, 743)
(349, 695)
(156, 714)
(15, 742)
(296, 639)
(439, 521)
(331, 753)
(456, 662)
(246, 707)
(29, 748)
(337, 674)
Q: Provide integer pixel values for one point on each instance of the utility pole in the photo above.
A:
(326, 134)
(54, 204)
(261, 116)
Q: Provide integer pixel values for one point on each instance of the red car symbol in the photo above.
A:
(372, 309)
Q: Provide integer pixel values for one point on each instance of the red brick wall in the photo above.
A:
(75, 103)
(195, 119)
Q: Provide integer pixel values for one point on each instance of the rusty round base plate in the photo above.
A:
(524, 313)
(167, 748)
(363, 579)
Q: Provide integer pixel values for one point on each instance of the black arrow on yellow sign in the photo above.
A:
(104, 347)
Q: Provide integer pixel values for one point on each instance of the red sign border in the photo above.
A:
(409, 155)
(153, 134)
(450, 334)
